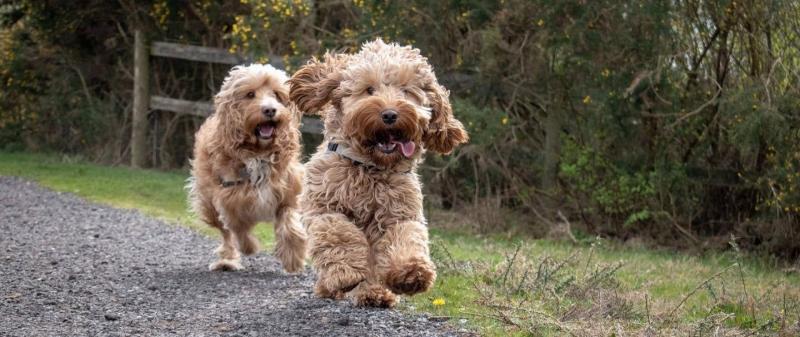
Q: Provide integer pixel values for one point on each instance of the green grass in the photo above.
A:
(156, 193)
(159, 194)
(477, 282)
(664, 277)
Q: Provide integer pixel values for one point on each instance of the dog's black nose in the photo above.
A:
(269, 112)
(389, 116)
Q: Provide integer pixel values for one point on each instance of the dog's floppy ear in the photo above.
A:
(312, 86)
(282, 95)
(444, 132)
(225, 107)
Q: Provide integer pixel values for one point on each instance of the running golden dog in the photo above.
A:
(362, 201)
(246, 167)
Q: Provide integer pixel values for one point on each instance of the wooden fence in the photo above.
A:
(144, 103)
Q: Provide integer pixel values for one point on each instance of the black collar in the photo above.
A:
(344, 152)
(334, 147)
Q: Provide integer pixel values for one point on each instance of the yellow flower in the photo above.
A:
(438, 302)
(540, 23)
(606, 72)
(587, 99)
(504, 120)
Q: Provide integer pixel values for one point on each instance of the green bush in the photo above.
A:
(622, 115)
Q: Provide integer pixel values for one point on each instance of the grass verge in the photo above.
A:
(502, 286)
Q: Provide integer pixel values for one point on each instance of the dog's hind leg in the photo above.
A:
(339, 252)
(290, 239)
(402, 258)
(229, 258)
(248, 243)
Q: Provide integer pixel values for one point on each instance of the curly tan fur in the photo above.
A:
(368, 239)
(229, 147)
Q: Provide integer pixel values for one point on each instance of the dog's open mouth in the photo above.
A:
(265, 130)
(389, 141)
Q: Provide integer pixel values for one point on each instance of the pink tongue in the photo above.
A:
(266, 130)
(407, 148)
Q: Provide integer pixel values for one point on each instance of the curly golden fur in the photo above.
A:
(362, 208)
(246, 167)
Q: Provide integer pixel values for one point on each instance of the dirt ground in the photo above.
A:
(73, 268)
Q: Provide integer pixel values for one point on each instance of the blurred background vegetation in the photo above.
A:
(674, 122)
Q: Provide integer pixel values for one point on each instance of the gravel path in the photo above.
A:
(74, 268)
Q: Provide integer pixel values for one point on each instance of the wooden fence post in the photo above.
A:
(141, 100)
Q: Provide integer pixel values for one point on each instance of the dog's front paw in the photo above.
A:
(373, 295)
(411, 277)
(226, 265)
(335, 281)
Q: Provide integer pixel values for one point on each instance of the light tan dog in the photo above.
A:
(362, 198)
(246, 167)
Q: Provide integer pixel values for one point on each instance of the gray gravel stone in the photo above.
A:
(74, 268)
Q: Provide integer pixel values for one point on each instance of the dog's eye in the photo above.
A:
(251, 94)
(370, 91)
(411, 94)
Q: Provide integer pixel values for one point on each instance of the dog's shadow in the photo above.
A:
(200, 278)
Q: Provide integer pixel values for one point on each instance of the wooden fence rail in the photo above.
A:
(143, 102)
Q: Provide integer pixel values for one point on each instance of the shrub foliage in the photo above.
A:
(677, 119)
